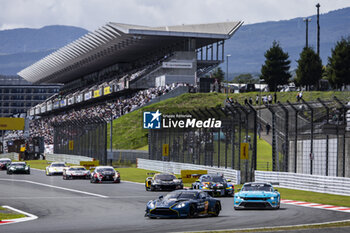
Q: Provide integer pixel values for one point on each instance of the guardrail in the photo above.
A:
(126, 155)
(12, 156)
(321, 184)
(74, 159)
(174, 167)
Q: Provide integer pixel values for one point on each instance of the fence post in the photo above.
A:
(312, 135)
(285, 148)
(295, 135)
(327, 136)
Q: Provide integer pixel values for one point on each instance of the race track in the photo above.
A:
(78, 206)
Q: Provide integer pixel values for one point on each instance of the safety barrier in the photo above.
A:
(174, 167)
(74, 159)
(321, 184)
(12, 156)
(126, 155)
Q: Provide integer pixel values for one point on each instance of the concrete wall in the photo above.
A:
(74, 159)
(126, 155)
(314, 183)
(174, 167)
(12, 156)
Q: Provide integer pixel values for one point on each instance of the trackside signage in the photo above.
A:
(157, 120)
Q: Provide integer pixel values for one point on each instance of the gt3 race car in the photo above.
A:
(4, 163)
(163, 181)
(76, 172)
(105, 173)
(18, 168)
(183, 203)
(215, 184)
(257, 195)
(55, 168)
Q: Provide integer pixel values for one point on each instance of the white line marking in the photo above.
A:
(57, 187)
(16, 220)
(36, 169)
(132, 182)
(287, 227)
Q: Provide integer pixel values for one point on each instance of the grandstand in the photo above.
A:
(120, 67)
(118, 59)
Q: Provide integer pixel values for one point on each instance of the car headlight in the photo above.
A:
(272, 198)
(181, 205)
(27, 168)
(151, 205)
(12, 168)
(238, 197)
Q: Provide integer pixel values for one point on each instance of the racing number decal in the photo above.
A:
(206, 206)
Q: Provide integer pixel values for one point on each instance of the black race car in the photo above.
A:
(183, 203)
(105, 174)
(215, 184)
(18, 168)
(163, 181)
(4, 163)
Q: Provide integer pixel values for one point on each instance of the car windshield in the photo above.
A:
(165, 177)
(5, 161)
(58, 165)
(257, 187)
(105, 169)
(213, 179)
(181, 195)
(77, 169)
(18, 164)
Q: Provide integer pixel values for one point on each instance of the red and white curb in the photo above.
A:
(17, 220)
(316, 205)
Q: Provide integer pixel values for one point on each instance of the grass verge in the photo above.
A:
(9, 214)
(288, 228)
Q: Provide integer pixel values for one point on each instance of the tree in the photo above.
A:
(339, 63)
(218, 74)
(309, 70)
(244, 78)
(275, 71)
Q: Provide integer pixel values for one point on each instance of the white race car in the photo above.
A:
(76, 172)
(55, 168)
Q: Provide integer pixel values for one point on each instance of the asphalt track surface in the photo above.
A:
(121, 208)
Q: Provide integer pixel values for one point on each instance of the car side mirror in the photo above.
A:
(203, 198)
(238, 190)
(276, 190)
(161, 197)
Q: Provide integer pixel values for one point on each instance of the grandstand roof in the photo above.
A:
(116, 42)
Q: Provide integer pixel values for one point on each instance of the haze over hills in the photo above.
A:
(20, 48)
(250, 42)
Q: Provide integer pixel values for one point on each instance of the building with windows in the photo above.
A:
(18, 95)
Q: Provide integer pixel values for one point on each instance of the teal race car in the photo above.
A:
(257, 196)
(18, 168)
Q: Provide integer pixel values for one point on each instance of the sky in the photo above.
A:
(91, 14)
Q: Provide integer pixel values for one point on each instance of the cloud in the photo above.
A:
(91, 14)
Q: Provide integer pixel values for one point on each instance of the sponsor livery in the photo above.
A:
(215, 184)
(257, 195)
(183, 203)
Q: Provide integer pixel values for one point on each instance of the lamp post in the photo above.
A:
(318, 28)
(307, 20)
(227, 56)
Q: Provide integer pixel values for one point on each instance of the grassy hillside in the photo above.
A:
(129, 134)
